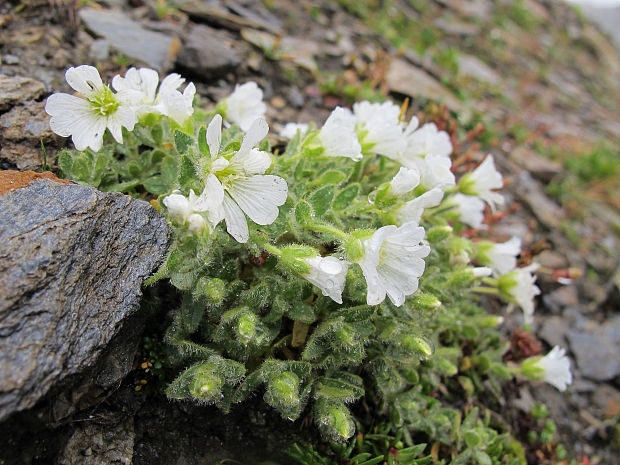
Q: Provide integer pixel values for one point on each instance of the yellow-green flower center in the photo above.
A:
(104, 101)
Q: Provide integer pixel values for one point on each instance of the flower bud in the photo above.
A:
(283, 394)
(418, 345)
(246, 328)
(438, 234)
(426, 302)
(490, 321)
(207, 385)
(214, 289)
(337, 423)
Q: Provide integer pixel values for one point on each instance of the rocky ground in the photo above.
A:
(535, 80)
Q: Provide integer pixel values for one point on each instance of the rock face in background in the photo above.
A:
(155, 49)
(72, 261)
(23, 122)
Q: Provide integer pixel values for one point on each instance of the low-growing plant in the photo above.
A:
(338, 269)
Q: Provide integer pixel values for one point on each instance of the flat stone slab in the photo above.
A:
(18, 89)
(72, 262)
(129, 37)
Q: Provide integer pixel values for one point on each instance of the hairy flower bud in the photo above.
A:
(206, 385)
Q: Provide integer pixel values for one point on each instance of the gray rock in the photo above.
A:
(208, 51)
(554, 330)
(596, 350)
(472, 66)
(129, 37)
(27, 121)
(20, 156)
(531, 192)
(72, 260)
(406, 79)
(100, 50)
(18, 89)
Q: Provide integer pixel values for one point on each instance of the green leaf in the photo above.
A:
(338, 389)
(192, 312)
(302, 312)
(203, 147)
(157, 133)
(187, 173)
(156, 185)
(373, 461)
(157, 156)
(472, 439)
(144, 135)
(303, 212)
(331, 177)
(81, 169)
(101, 164)
(183, 281)
(346, 196)
(169, 171)
(65, 162)
(182, 141)
(321, 199)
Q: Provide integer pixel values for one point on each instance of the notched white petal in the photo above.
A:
(236, 224)
(260, 196)
(214, 135)
(84, 79)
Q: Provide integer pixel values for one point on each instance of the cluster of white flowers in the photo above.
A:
(86, 118)
(235, 183)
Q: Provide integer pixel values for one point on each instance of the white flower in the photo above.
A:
(426, 140)
(328, 274)
(501, 257)
(168, 100)
(412, 210)
(434, 171)
(518, 287)
(480, 182)
(245, 105)
(470, 210)
(392, 262)
(180, 208)
(379, 129)
(556, 368)
(338, 137)
(176, 105)
(290, 130)
(405, 181)
(144, 81)
(86, 119)
(236, 183)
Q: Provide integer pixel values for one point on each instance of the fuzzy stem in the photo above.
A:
(485, 290)
(263, 243)
(328, 229)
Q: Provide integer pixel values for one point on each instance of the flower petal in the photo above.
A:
(171, 83)
(236, 224)
(85, 79)
(123, 116)
(259, 196)
(252, 162)
(65, 111)
(255, 134)
(214, 135)
(212, 196)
